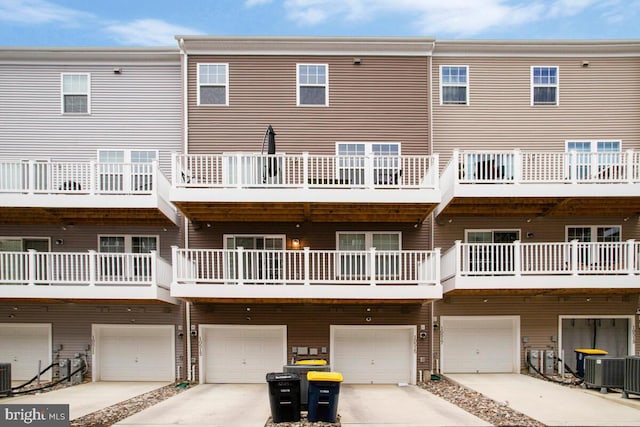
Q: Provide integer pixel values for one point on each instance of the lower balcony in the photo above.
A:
(85, 276)
(534, 268)
(305, 275)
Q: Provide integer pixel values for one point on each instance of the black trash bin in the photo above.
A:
(581, 353)
(324, 391)
(302, 367)
(284, 396)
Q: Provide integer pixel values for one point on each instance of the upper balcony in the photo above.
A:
(541, 183)
(306, 275)
(47, 192)
(305, 187)
(85, 276)
(532, 268)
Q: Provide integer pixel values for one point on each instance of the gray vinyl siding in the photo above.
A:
(141, 108)
(384, 99)
(600, 101)
(71, 323)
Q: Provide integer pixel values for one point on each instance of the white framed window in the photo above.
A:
(598, 245)
(75, 93)
(213, 84)
(126, 170)
(545, 85)
(596, 159)
(366, 163)
(352, 252)
(312, 82)
(263, 258)
(115, 265)
(491, 250)
(454, 84)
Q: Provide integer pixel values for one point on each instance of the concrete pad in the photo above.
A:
(212, 405)
(551, 403)
(409, 406)
(86, 398)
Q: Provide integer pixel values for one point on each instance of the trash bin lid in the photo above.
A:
(317, 362)
(324, 376)
(590, 351)
(282, 376)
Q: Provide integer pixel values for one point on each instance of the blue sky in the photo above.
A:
(155, 22)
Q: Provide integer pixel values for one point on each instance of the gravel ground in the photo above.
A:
(496, 413)
(303, 423)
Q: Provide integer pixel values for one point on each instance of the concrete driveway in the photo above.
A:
(554, 404)
(247, 405)
(86, 398)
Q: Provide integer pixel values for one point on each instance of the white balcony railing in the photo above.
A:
(44, 177)
(305, 267)
(527, 167)
(557, 258)
(304, 170)
(90, 268)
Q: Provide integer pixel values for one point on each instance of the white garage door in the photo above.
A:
(373, 354)
(134, 352)
(23, 345)
(480, 344)
(242, 354)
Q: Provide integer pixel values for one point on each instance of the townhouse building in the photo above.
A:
(306, 179)
(538, 225)
(86, 225)
(396, 206)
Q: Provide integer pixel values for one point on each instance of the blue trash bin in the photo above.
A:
(581, 353)
(324, 391)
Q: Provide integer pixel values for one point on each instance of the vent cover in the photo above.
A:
(631, 375)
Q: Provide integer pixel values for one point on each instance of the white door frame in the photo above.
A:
(630, 333)
(48, 375)
(412, 328)
(517, 348)
(202, 344)
(95, 339)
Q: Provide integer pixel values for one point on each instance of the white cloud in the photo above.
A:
(40, 12)
(147, 32)
(437, 17)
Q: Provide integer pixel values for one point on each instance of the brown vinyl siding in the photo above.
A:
(316, 236)
(384, 99)
(308, 325)
(84, 238)
(595, 102)
(71, 323)
(547, 229)
(539, 315)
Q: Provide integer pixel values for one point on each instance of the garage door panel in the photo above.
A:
(135, 353)
(24, 346)
(373, 355)
(479, 345)
(242, 355)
